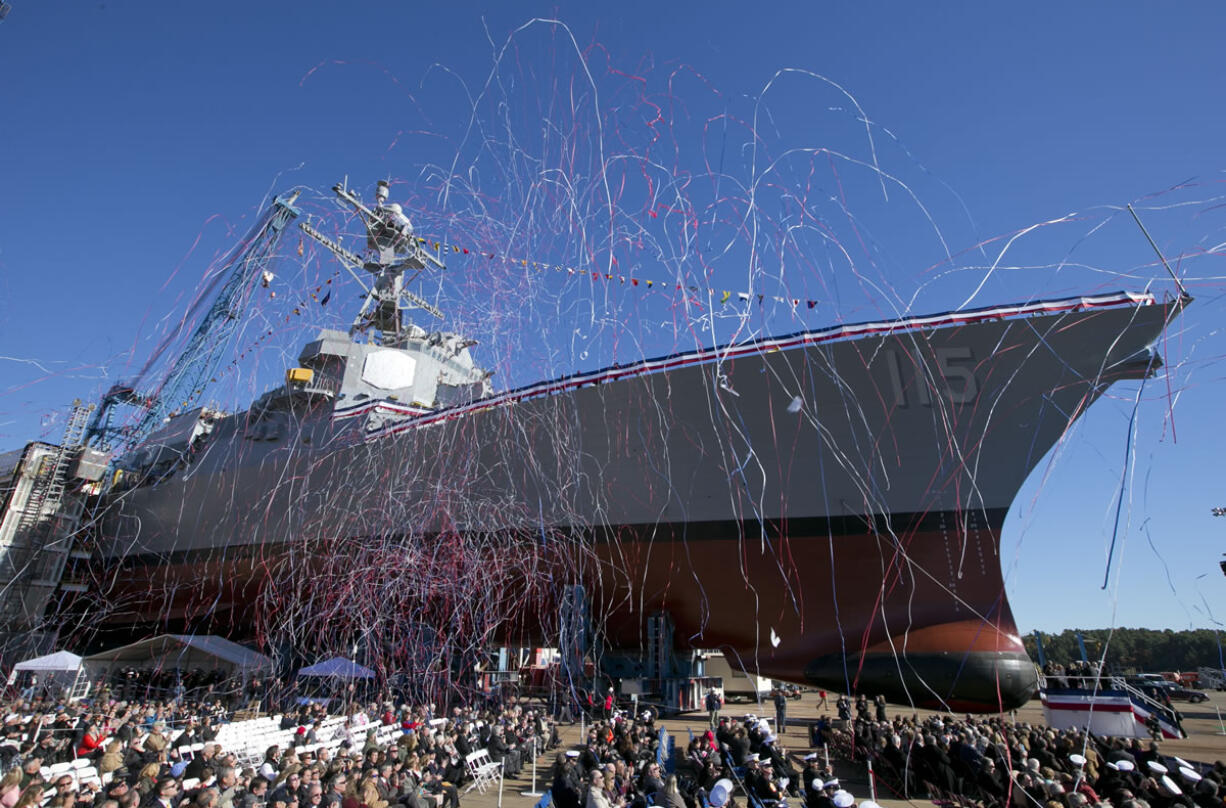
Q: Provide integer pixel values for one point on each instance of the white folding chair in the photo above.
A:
(482, 769)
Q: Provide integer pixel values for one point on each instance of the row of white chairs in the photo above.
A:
(81, 770)
(190, 750)
(251, 726)
(267, 731)
(248, 739)
(250, 746)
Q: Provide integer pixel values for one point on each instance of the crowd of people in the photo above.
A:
(944, 760)
(625, 762)
(1075, 672)
(166, 755)
(997, 762)
(131, 684)
(617, 763)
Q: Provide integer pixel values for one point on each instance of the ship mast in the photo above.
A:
(393, 250)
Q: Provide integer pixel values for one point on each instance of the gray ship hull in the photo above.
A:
(825, 506)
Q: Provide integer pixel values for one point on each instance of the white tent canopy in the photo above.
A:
(65, 661)
(182, 651)
(52, 672)
(339, 668)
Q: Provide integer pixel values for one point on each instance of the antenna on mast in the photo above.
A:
(393, 249)
(1183, 293)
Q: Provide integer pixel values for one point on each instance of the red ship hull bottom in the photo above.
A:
(917, 614)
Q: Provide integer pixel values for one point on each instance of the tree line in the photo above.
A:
(1135, 649)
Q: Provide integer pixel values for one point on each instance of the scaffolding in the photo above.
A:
(42, 510)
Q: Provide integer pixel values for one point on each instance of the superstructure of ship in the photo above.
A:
(825, 507)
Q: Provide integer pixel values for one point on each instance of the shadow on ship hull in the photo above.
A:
(912, 607)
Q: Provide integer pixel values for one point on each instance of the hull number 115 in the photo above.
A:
(953, 378)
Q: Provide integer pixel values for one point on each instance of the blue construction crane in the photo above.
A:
(190, 372)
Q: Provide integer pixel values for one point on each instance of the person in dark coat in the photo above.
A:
(781, 711)
(713, 705)
(462, 746)
(565, 790)
(196, 766)
(991, 787)
(504, 753)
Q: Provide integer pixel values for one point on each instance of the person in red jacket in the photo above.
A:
(91, 741)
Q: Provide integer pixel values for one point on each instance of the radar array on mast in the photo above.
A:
(394, 251)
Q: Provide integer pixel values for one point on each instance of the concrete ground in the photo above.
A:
(1204, 723)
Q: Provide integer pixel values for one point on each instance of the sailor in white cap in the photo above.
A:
(1125, 765)
(760, 782)
(1077, 760)
(1189, 774)
(843, 799)
(808, 774)
(720, 794)
(1169, 786)
(1156, 768)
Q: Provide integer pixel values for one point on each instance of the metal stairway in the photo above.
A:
(39, 540)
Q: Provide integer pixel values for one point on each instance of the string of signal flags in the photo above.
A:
(725, 295)
(322, 293)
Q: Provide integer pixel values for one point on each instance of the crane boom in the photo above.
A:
(195, 365)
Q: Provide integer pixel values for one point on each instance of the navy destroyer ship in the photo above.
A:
(824, 506)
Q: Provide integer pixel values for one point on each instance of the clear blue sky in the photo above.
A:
(138, 138)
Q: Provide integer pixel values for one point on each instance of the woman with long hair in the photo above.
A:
(31, 797)
(147, 779)
(671, 798)
(351, 798)
(112, 758)
(368, 793)
(10, 788)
